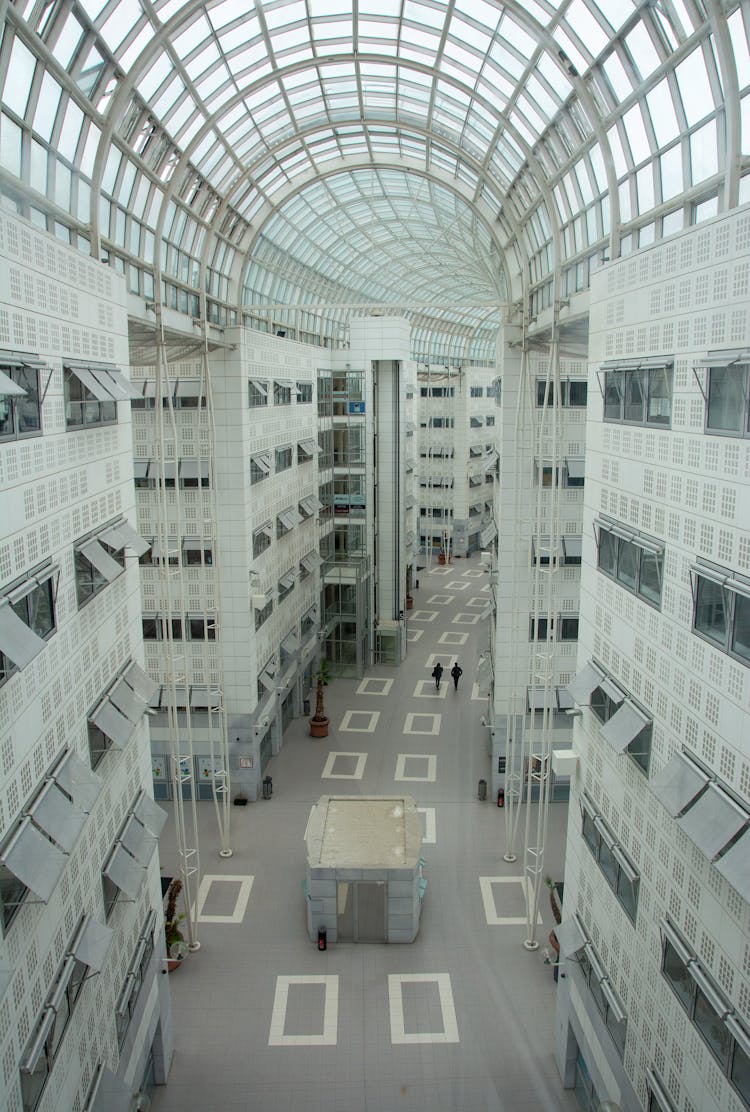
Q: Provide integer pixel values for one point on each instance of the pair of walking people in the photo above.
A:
(456, 673)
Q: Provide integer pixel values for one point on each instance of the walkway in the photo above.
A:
(246, 986)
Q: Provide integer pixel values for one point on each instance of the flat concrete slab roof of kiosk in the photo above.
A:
(364, 832)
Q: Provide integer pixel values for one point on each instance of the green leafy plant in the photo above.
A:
(322, 679)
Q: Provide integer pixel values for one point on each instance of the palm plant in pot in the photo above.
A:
(174, 938)
(320, 721)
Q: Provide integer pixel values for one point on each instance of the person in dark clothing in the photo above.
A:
(456, 671)
(437, 672)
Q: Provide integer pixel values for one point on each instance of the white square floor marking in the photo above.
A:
(429, 761)
(422, 724)
(446, 659)
(474, 574)
(399, 1036)
(329, 774)
(240, 904)
(330, 1018)
(414, 634)
(490, 908)
(426, 689)
(360, 721)
(466, 619)
(459, 586)
(424, 615)
(440, 600)
(375, 685)
(429, 836)
(453, 638)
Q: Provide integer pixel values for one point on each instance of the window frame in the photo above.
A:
(94, 413)
(33, 584)
(732, 368)
(618, 870)
(637, 548)
(13, 404)
(616, 390)
(732, 600)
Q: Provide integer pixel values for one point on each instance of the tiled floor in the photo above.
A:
(458, 1021)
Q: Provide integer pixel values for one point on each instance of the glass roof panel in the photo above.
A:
(18, 78)
(695, 90)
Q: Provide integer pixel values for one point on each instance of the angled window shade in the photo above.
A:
(570, 936)
(34, 860)
(91, 382)
(610, 688)
(576, 467)
(309, 447)
(713, 821)
(123, 534)
(92, 944)
(589, 678)
(101, 560)
(56, 815)
(263, 461)
(734, 866)
(143, 685)
(310, 561)
(678, 784)
(290, 644)
(126, 701)
(189, 388)
(140, 468)
(725, 358)
(572, 547)
(193, 468)
(203, 697)
(111, 722)
(138, 841)
(288, 579)
(149, 388)
(150, 815)
(17, 641)
(624, 726)
(9, 388)
(124, 871)
(261, 385)
(77, 779)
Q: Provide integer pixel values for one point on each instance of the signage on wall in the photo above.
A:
(356, 407)
(247, 762)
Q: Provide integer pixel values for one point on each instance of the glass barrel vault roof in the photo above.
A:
(440, 156)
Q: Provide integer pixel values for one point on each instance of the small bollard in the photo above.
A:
(482, 790)
(267, 787)
(322, 938)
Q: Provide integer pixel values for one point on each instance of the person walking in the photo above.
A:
(437, 672)
(456, 671)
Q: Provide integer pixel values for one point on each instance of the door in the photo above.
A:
(361, 911)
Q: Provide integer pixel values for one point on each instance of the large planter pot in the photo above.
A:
(441, 558)
(409, 602)
(319, 728)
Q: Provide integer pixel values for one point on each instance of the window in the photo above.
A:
(262, 538)
(489, 421)
(12, 894)
(567, 628)
(634, 560)
(91, 395)
(27, 620)
(568, 551)
(707, 1008)
(258, 393)
(728, 400)
(304, 393)
(97, 564)
(283, 459)
(640, 394)
(539, 628)
(20, 407)
(287, 583)
(625, 726)
(619, 871)
(260, 467)
(194, 473)
(476, 392)
(287, 520)
(263, 614)
(721, 612)
(116, 715)
(136, 975)
(306, 450)
(573, 392)
(282, 392)
(604, 995)
(200, 628)
(189, 394)
(196, 552)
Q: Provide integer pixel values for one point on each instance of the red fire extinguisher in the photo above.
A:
(501, 797)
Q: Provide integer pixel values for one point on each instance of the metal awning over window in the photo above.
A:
(17, 640)
(572, 547)
(54, 813)
(261, 385)
(170, 550)
(260, 602)
(713, 821)
(476, 480)
(34, 860)
(544, 550)
(311, 504)
(149, 388)
(476, 422)
(92, 943)
(124, 871)
(122, 534)
(722, 578)
(140, 468)
(106, 384)
(285, 383)
(651, 363)
(624, 726)
(610, 688)
(138, 841)
(734, 866)
(309, 447)
(290, 644)
(189, 388)
(194, 469)
(488, 534)
(575, 467)
(410, 502)
(205, 698)
(678, 784)
(9, 388)
(268, 676)
(311, 560)
(99, 558)
(119, 711)
(265, 529)
(490, 460)
(726, 358)
(150, 814)
(589, 678)
(535, 699)
(570, 936)
(263, 461)
(290, 517)
(76, 778)
(288, 579)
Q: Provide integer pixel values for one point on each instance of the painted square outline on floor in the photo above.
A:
(440, 600)
(433, 658)
(423, 615)
(329, 1037)
(430, 758)
(457, 586)
(476, 602)
(365, 689)
(434, 724)
(372, 715)
(399, 1037)
(414, 634)
(490, 908)
(453, 638)
(431, 692)
(329, 774)
(465, 619)
(472, 573)
(240, 903)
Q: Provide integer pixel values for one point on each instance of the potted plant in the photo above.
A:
(556, 914)
(174, 938)
(320, 721)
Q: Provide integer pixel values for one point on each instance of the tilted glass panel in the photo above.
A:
(711, 610)
(741, 627)
(727, 399)
(627, 563)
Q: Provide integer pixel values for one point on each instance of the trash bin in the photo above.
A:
(305, 707)
(322, 938)
(267, 787)
(482, 790)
